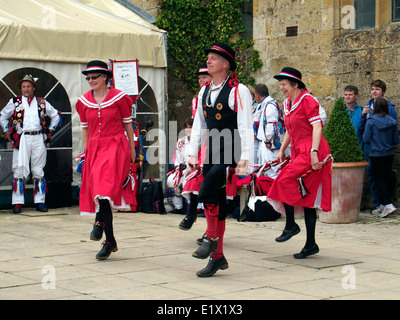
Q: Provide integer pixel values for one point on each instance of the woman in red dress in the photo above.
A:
(105, 115)
(309, 150)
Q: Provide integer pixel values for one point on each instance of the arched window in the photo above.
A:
(147, 109)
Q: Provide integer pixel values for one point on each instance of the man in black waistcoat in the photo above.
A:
(224, 118)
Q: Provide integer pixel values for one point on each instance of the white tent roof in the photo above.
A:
(78, 31)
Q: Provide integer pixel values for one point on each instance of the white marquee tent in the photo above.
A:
(59, 38)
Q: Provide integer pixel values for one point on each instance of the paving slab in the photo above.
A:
(48, 256)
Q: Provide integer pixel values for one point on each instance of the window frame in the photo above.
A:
(394, 7)
(363, 15)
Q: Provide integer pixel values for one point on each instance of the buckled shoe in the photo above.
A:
(97, 231)
(287, 234)
(213, 266)
(207, 247)
(187, 222)
(106, 250)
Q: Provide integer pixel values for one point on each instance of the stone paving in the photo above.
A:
(49, 256)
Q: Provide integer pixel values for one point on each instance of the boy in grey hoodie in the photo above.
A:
(382, 136)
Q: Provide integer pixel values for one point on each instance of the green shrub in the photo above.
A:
(341, 135)
(194, 25)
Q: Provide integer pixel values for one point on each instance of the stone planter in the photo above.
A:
(347, 187)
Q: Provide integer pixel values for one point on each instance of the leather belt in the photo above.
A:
(33, 133)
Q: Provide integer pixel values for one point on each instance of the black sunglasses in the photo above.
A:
(93, 77)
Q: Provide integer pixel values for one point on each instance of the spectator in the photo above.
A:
(353, 109)
(378, 90)
(382, 136)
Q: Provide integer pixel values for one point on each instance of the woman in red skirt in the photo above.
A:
(107, 132)
(309, 150)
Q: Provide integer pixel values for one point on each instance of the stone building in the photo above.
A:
(333, 42)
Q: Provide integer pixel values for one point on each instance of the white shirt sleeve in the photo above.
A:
(199, 127)
(244, 119)
(6, 114)
(53, 114)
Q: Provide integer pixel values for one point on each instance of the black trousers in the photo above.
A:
(381, 171)
(212, 189)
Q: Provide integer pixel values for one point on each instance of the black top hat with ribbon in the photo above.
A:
(203, 69)
(225, 51)
(97, 66)
(290, 74)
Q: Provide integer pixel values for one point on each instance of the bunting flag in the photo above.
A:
(302, 187)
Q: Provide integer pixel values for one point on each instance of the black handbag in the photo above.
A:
(152, 197)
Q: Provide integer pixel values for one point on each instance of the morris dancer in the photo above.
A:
(224, 109)
(104, 113)
(176, 178)
(203, 78)
(270, 129)
(23, 121)
(309, 150)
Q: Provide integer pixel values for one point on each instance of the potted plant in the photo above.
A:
(348, 167)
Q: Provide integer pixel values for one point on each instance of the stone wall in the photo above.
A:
(152, 7)
(328, 56)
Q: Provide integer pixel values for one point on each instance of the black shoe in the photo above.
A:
(41, 207)
(97, 231)
(213, 266)
(287, 234)
(207, 247)
(177, 211)
(306, 252)
(199, 241)
(17, 208)
(105, 252)
(187, 222)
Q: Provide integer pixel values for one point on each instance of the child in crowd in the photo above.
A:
(378, 90)
(382, 136)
